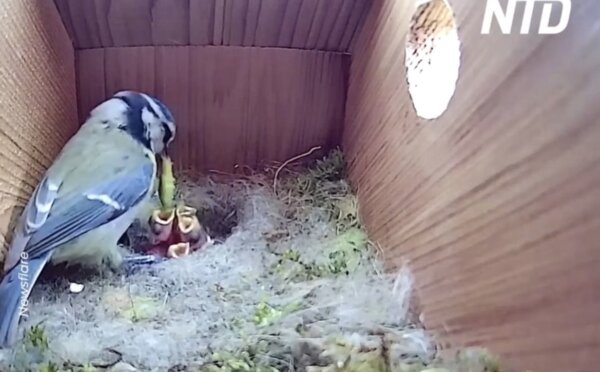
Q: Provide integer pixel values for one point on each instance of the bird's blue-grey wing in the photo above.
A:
(34, 216)
(52, 218)
(77, 213)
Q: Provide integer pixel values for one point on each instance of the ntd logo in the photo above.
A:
(506, 18)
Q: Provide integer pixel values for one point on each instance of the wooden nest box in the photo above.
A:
(475, 156)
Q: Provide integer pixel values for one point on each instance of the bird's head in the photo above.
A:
(144, 117)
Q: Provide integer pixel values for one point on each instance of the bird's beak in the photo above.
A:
(165, 153)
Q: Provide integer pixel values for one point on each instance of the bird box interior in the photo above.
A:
(467, 163)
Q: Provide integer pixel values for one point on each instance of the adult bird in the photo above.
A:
(87, 199)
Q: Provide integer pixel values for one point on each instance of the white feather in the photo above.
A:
(106, 200)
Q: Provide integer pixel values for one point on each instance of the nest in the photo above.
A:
(292, 284)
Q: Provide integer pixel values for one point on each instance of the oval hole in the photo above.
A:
(432, 58)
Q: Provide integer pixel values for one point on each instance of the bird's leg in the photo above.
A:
(136, 261)
(124, 260)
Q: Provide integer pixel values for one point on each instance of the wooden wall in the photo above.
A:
(278, 88)
(37, 101)
(233, 105)
(301, 24)
(497, 202)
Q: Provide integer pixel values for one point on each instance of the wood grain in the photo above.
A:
(91, 85)
(128, 69)
(270, 20)
(251, 22)
(130, 22)
(289, 21)
(235, 22)
(302, 24)
(354, 24)
(233, 105)
(306, 15)
(37, 101)
(170, 22)
(173, 76)
(496, 203)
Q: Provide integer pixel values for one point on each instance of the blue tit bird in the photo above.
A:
(87, 199)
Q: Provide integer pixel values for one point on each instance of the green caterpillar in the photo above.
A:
(167, 184)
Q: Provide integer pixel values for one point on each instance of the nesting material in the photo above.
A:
(291, 284)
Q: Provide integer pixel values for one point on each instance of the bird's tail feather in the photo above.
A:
(14, 293)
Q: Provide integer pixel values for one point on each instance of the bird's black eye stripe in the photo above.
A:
(149, 107)
(125, 99)
(166, 112)
(135, 126)
(168, 133)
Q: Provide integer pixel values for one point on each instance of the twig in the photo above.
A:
(285, 163)
(132, 304)
(221, 173)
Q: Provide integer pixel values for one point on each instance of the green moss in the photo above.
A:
(347, 250)
(322, 186)
(244, 361)
(343, 253)
(86, 368)
(265, 314)
(36, 338)
(132, 307)
(141, 308)
(48, 367)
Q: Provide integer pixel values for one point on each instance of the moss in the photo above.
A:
(49, 367)
(265, 314)
(343, 255)
(321, 186)
(33, 354)
(244, 361)
(36, 338)
(86, 368)
(132, 307)
(347, 250)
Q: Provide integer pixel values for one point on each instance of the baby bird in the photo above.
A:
(87, 199)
